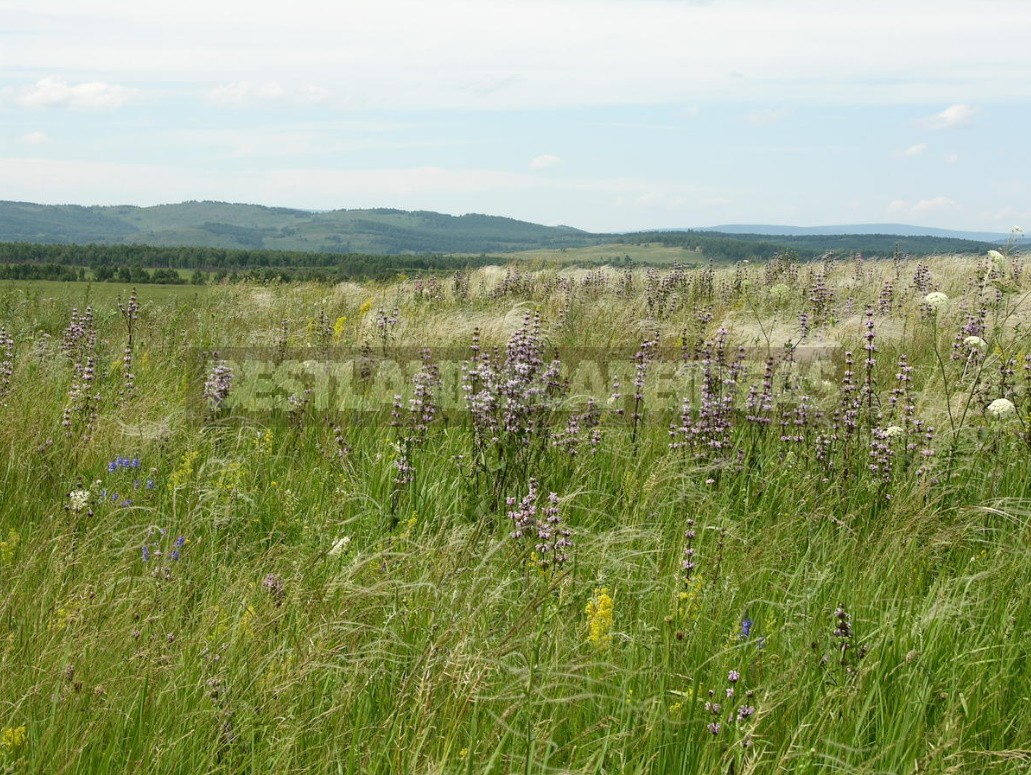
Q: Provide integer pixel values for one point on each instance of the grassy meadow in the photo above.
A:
(648, 254)
(757, 518)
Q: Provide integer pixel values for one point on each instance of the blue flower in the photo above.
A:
(746, 627)
(146, 553)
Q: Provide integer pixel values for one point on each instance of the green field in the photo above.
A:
(652, 254)
(82, 294)
(769, 517)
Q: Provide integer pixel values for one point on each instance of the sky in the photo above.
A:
(606, 115)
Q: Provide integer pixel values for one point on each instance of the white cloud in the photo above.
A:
(544, 161)
(954, 115)
(34, 138)
(474, 53)
(934, 205)
(930, 206)
(767, 116)
(239, 93)
(915, 150)
(951, 158)
(94, 95)
(299, 140)
(660, 200)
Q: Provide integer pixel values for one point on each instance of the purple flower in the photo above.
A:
(746, 627)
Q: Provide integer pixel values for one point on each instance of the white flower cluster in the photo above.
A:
(339, 546)
(975, 343)
(893, 431)
(78, 499)
(936, 300)
(1001, 409)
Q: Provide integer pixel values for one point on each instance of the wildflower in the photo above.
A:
(8, 547)
(12, 739)
(996, 256)
(554, 539)
(339, 546)
(1001, 409)
(975, 343)
(218, 384)
(746, 628)
(936, 300)
(893, 431)
(275, 586)
(599, 618)
(1016, 230)
(78, 500)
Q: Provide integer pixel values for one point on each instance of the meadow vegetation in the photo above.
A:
(756, 518)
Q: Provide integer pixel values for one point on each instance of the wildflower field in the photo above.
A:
(753, 518)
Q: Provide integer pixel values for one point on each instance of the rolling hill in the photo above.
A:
(248, 227)
(255, 227)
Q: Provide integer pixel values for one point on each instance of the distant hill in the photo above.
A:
(749, 245)
(255, 227)
(895, 229)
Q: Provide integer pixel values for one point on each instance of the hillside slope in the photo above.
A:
(244, 226)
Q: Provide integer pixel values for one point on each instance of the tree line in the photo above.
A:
(151, 264)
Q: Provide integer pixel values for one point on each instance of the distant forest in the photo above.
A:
(150, 264)
(156, 264)
(740, 247)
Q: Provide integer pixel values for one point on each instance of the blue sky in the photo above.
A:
(607, 115)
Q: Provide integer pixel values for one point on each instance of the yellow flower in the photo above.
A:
(231, 477)
(12, 739)
(687, 608)
(264, 442)
(7, 547)
(61, 619)
(599, 618)
(366, 306)
(184, 472)
(338, 327)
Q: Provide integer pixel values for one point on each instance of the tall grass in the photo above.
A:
(868, 588)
